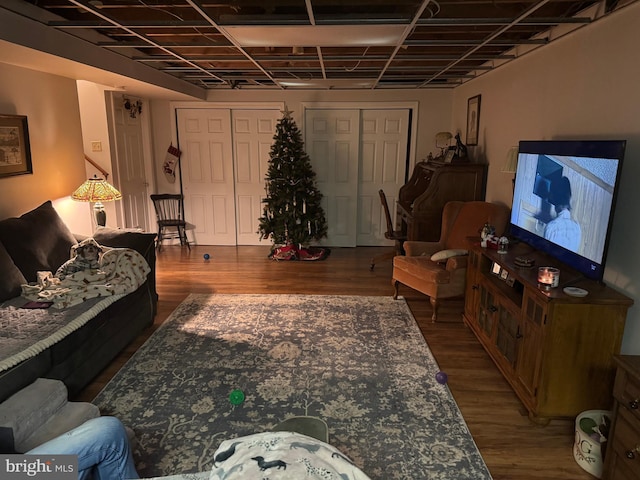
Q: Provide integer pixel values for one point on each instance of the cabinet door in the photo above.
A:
(528, 366)
(471, 288)
(508, 335)
(486, 311)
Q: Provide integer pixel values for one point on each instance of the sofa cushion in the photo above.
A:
(143, 243)
(11, 277)
(37, 241)
(40, 412)
(443, 255)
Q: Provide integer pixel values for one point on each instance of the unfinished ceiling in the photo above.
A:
(371, 44)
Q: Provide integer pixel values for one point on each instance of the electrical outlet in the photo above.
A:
(96, 146)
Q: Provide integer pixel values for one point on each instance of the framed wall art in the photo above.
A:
(15, 152)
(473, 120)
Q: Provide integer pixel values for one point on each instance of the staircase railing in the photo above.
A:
(94, 164)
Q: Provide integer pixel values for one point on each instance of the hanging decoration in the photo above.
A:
(171, 163)
(134, 108)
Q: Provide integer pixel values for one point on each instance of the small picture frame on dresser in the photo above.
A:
(448, 157)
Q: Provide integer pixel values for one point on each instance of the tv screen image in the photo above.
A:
(564, 199)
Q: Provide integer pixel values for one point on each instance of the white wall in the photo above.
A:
(584, 85)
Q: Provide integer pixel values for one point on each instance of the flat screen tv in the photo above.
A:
(564, 198)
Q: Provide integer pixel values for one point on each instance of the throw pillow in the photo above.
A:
(442, 255)
(11, 277)
(37, 241)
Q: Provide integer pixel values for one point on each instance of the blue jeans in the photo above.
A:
(102, 447)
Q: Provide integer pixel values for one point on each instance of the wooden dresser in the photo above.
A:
(622, 458)
(433, 184)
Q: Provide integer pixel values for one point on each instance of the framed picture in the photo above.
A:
(448, 157)
(473, 120)
(15, 152)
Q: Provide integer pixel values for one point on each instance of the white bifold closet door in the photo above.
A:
(225, 154)
(355, 153)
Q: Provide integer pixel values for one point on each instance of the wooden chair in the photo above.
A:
(445, 277)
(170, 218)
(390, 234)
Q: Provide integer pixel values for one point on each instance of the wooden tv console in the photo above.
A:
(555, 350)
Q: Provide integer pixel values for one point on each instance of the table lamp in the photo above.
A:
(443, 141)
(97, 190)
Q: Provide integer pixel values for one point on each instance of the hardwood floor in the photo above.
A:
(512, 446)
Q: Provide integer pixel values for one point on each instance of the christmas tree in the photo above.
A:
(293, 216)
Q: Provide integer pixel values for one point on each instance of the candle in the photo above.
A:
(548, 277)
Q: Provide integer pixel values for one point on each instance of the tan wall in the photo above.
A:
(584, 85)
(50, 103)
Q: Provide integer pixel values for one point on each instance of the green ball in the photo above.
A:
(236, 397)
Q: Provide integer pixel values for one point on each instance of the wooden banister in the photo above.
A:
(100, 169)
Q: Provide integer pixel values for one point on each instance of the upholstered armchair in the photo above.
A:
(439, 269)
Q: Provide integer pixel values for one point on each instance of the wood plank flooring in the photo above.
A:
(512, 446)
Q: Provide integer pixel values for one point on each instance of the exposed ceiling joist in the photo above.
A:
(316, 43)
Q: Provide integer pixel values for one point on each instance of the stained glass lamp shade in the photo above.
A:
(97, 190)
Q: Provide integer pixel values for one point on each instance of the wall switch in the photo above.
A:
(96, 146)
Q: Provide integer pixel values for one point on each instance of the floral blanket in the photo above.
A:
(122, 271)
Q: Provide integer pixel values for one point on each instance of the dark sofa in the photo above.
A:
(40, 241)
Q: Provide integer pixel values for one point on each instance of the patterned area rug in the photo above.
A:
(359, 363)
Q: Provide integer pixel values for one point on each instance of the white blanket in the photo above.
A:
(122, 271)
(276, 455)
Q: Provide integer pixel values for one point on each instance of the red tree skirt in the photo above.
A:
(292, 252)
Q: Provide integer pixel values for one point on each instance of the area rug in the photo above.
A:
(359, 363)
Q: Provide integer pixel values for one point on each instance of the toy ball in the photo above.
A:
(236, 397)
(206, 256)
(441, 377)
